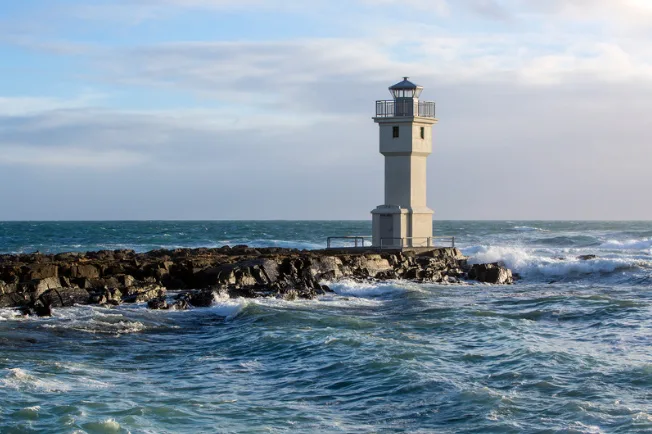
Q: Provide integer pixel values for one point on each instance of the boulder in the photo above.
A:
(85, 271)
(202, 298)
(180, 305)
(144, 294)
(586, 257)
(158, 303)
(326, 268)
(39, 286)
(42, 271)
(14, 300)
(126, 281)
(64, 297)
(41, 309)
(491, 273)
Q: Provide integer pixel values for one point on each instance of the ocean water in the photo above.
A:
(568, 349)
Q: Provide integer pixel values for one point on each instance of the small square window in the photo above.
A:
(423, 132)
(395, 132)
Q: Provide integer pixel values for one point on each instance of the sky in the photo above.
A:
(262, 109)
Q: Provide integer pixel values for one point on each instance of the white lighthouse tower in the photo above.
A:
(406, 141)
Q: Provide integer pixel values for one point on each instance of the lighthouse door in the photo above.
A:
(387, 230)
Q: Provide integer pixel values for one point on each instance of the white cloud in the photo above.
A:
(19, 106)
(72, 157)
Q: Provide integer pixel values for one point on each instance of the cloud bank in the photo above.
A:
(542, 108)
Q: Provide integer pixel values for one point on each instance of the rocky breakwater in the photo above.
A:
(36, 283)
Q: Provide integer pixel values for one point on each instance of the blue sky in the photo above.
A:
(261, 109)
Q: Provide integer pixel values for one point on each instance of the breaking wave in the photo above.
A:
(642, 244)
(529, 229)
(532, 263)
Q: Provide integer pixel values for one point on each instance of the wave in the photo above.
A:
(105, 426)
(20, 379)
(528, 229)
(229, 308)
(569, 241)
(352, 288)
(641, 244)
(548, 263)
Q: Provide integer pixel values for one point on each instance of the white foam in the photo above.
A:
(105, 426)
(229, 308)
(17, 378)
(546, 262)
(642, 244)
(93, 319)
(528, 229)
(10, 314)
(364, 289)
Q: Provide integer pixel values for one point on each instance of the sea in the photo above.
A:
(567, 349)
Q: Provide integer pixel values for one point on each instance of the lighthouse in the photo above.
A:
(405, 141)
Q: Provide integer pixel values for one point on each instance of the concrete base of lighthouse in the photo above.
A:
(396, 227)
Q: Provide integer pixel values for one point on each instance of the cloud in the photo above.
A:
(501, 151)
(18, 106)
(69, 157)
(542, 114)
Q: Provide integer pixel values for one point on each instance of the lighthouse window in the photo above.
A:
(423, 132)
(394, 132)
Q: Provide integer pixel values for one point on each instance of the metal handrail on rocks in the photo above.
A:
(355, 238)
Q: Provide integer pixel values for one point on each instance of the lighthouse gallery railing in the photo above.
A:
(392, 108)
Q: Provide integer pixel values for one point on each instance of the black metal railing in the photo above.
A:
(393, 243)
(358, 240)
(394, 108)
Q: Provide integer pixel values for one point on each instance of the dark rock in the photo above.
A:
(65, 297)
(39, 286)
(86, 271)
(42, 271)
(144, 294)
(69, 256)
(586, 257)
(14, 300)
(109, 296)
(126, 281)
(202, 298)
(491, 273)
(41, 309)
(180, 305)
(158, 303)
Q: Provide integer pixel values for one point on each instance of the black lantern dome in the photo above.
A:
(405, 89)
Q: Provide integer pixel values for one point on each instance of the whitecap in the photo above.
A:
(528, 229)
(642, 244)
(17, 378)
(228, 307)
(105, 426)
(547, 262)
(353, 288)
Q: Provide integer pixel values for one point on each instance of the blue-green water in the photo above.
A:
(567, 349)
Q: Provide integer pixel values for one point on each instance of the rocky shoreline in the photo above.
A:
(36, 283)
